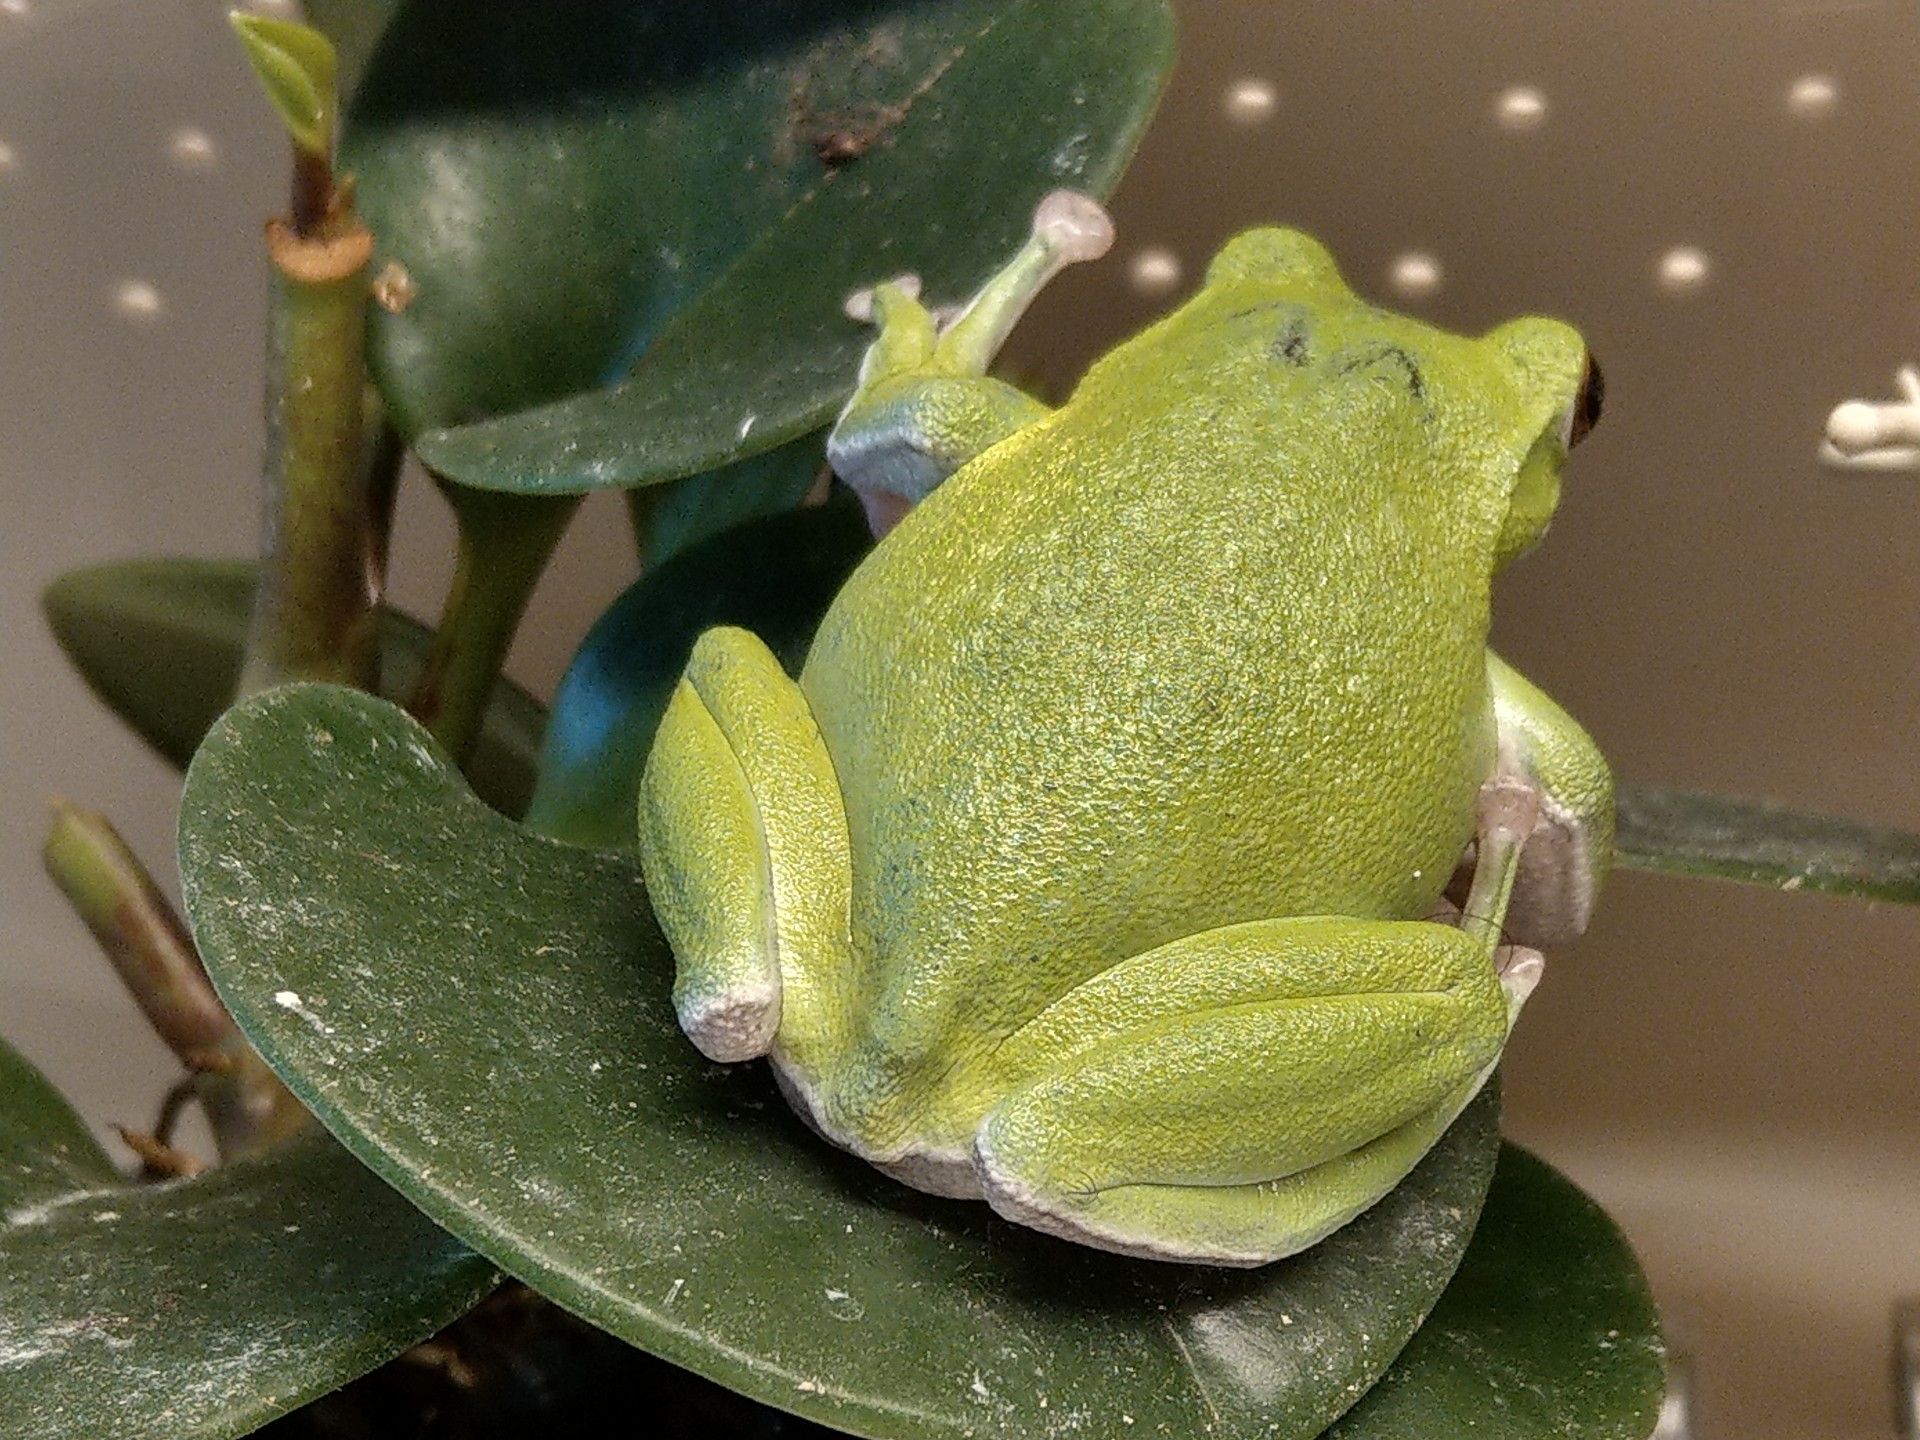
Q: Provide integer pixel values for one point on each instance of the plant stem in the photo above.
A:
(642, 502)
(313, 198)
(323, 556)
(381, 462)
(148, 945)
(505, 543)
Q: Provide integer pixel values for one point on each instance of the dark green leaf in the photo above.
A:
(44, 1147)
(578, 187)
(1723, 837)
(774, 576)
(354, 26)
(685, 512)
(159, 641)
(198, 1308)
(1548, 1330)
(482, 1015)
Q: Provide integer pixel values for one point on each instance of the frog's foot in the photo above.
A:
(743, 841)
(925, 404)
(1237, 1096)
(1571, 850)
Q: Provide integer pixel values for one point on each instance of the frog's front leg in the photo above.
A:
(743, 841)
(1572, 850)
(925, 405)
(1236, 1096)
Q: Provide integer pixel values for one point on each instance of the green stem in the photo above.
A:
(322, 560)
(150, 949)
(505, 543)
(381, 463)
(642, 504)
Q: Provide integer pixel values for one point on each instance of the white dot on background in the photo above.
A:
(6, 157)
(16, 9)
(1684, 269)
(192, 149)
(1250, 101)
(1812, 97)
(1520, 107)
(137, 300)
(1415, 274)
(1154, 271)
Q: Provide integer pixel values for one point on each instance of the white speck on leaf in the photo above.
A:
(45, 1210)
(290, 1001)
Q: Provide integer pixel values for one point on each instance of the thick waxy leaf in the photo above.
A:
(1724, 837)
(198, 1308)
(682, 514)
(44, 1147)
(696, 188)
(159, 641)
(1547, 1330)
(482, 1015)
(774, 576)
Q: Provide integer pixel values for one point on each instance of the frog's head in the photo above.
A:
(1557, 390)
(1273, 254)
(1521, 396)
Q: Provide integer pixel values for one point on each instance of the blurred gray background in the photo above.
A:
(1720, 194)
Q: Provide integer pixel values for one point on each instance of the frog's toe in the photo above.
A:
(737, 1024)
(742, 839)
(1558, 880)
(1571, 848)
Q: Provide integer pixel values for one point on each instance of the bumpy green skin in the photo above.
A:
(1084, 867)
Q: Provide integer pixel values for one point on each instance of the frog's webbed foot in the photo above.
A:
(925, 404)
(743, 841)
(1236, 1096)
(1877, 435)
(1571, 850)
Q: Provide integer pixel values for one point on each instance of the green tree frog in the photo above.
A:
(1090, 866)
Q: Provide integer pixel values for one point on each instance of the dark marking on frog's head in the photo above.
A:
(1292, 329)
(1289, 344)
(1390, 357)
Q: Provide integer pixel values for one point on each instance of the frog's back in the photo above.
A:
(1162, 662)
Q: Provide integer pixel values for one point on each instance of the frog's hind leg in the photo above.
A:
(925, 404)
(1236, 1096)
(743, 840)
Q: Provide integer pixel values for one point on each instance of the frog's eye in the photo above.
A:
(1584, 413)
